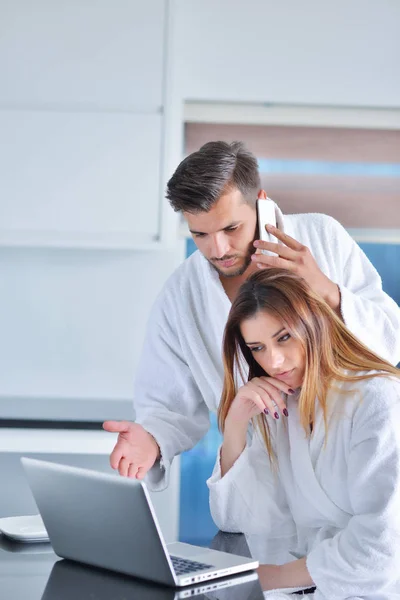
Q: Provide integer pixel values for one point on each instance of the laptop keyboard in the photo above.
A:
(183, 565)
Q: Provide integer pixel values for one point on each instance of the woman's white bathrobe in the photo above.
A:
(180, 374)
(338, 504)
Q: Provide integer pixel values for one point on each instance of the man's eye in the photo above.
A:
(198, 235)
(284, 338)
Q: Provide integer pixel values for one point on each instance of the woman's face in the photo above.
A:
(273, 347)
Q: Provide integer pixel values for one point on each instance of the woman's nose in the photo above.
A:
(276, 360)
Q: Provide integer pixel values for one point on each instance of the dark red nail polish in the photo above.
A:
(291, 391)
(285, 412)
(276, 415)
(266, 411)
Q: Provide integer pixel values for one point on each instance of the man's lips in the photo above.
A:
(226, 263)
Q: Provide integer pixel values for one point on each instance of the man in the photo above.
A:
(180, 375)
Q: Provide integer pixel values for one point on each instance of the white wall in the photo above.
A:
(72, 324)
(336, 53)
(89, 134)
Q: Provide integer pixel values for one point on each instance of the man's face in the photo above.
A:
(225, 234)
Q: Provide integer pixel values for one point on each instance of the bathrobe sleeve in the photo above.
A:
(250, 497)
(370, 314)
(364, 557)
(167, 401)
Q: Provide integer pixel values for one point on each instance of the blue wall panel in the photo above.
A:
(386, 260)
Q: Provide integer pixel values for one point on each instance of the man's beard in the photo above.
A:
(246, 263)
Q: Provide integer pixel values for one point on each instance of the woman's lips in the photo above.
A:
(284, 375)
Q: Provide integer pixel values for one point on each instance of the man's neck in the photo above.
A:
(231, 285)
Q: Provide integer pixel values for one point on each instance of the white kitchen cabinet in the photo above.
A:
(104, 54)
(336, 54)
(88, 129)
(86, 179)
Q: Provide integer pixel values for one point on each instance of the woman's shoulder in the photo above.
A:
(379, 383)
(378, 396)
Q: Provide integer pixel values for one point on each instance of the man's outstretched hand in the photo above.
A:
(136, 450)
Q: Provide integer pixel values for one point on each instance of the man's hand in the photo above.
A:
(136, 450)
(297, 258)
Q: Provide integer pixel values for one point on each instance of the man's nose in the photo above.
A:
(220, 246)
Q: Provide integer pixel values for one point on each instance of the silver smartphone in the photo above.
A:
(266, 215)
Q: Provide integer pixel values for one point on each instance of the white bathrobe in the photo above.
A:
(334, 499)
(179, 378)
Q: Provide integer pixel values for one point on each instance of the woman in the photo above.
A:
(320, 478)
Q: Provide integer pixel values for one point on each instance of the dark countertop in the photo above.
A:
(34, 572)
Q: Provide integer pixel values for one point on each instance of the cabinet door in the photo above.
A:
(311, 52)
(79, 179)
(102, 53)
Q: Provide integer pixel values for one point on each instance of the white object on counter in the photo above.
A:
(29, 528)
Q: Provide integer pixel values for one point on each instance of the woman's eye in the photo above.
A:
(231, 229)
(256, 349)
(284, 338)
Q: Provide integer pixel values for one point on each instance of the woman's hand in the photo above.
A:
(261, 394)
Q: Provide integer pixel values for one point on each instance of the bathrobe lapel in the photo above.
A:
(303, 453)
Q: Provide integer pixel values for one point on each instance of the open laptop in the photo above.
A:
(109, 521)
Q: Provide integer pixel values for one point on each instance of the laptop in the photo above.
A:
(108, 521)
(85, 582)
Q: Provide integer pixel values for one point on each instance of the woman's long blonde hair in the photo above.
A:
(330, 349)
